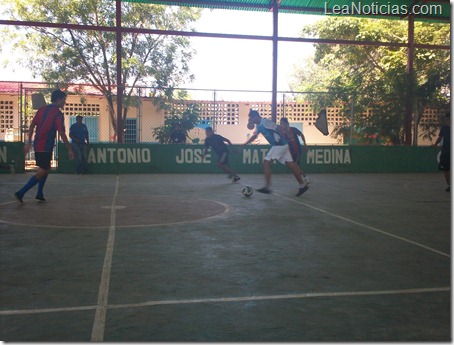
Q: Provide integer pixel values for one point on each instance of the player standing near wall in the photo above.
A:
(445, 157)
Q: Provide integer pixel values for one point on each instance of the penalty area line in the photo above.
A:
(365, 226)
(279, 297)
(234, 300)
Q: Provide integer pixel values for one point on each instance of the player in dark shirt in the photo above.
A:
(78, 132)
(218, 144)
(178, 136)
(445, 157)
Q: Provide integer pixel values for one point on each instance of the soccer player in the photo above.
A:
(78, 133)
(279, 150)
(47, 121)
(294, 145)
(178, 136)
(217, 143)
(445, 157)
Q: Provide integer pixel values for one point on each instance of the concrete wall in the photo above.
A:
(12, 154)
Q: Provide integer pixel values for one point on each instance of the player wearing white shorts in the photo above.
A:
(279, 150)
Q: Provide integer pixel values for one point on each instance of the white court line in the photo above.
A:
(46, 310)
(227, 211)
(45, 226)
(102, 306)
(99, 323)
(234, 299)
(364, 225)
(280, 297)
(9, 202)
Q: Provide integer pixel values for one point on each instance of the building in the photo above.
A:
(228, 118)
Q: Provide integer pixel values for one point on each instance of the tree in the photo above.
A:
(69, 55)
(376, 76)
(187, 118)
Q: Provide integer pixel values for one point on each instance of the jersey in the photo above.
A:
(270, 131)
(217, 143)
(48, 120)
(177, 137)
(293, 141)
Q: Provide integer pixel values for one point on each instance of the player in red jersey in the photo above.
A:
(294, 145)
(47, 121)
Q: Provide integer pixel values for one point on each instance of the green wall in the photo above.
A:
(155, 158)
(12, 154)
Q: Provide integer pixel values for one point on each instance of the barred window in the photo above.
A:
(6, 115)
(83, 109)
(224, 113)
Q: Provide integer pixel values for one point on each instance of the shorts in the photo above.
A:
(279, 153)
(224, 158)
(445, 162)
(43, 159)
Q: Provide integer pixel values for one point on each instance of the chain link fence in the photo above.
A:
(224, 110)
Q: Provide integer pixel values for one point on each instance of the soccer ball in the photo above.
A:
(247, 191)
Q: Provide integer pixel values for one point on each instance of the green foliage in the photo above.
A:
(188, 119)
(69, 55)
(375, 76)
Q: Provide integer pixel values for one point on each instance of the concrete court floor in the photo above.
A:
(359, 257)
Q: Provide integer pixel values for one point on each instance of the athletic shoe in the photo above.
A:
(306, 180)
(40, 199)
(18, 198)
(264, 190)
(236, 178)
(302, 190)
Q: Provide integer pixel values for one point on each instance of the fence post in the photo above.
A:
(352, 107)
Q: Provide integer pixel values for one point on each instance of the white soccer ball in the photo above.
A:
(248, 191)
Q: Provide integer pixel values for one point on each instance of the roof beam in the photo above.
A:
(216, 35)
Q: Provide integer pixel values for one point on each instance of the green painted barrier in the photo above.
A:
(155, 158)
(12, 155)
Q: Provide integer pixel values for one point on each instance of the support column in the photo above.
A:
(410, 80)
(275, 42)
(120, 86)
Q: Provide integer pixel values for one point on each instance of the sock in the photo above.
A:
(29, 185)
(41, 184)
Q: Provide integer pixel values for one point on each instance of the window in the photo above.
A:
(6, 115)
(92, 125)
(131, 131)
(84, 109)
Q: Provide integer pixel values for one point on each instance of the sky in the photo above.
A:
(246, 64)
(230, 64)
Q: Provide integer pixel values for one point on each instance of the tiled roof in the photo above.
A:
(318, 7)
(13, 87)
